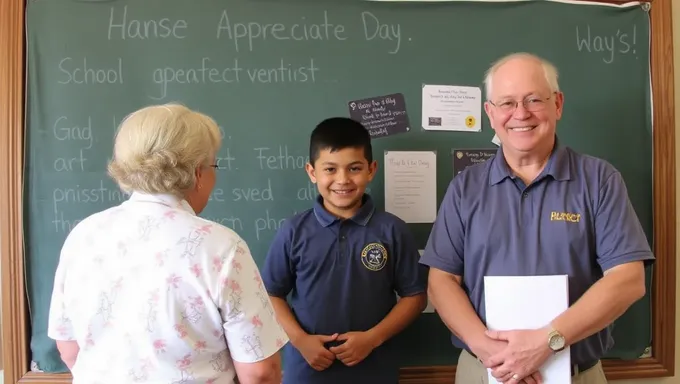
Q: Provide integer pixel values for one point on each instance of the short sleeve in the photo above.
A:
(618, 233)
(59, 325)
(411, 276)
(444, 248)
(251, 329)
(277, 273)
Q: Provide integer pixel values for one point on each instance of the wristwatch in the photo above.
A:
(556, 341)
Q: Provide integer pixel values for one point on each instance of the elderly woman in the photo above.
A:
(147, 291)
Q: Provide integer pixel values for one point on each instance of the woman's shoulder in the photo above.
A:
(96, 222)
(216, 228)
(214, 233)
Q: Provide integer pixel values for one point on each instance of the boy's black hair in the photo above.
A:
(338, 133)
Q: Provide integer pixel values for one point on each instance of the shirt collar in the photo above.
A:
(164, 199)
(557, 167)
(362, 217)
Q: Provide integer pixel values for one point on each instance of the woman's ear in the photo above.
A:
(198, 174)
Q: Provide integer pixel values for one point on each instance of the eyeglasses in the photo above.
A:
(213, 166)
(531, 104)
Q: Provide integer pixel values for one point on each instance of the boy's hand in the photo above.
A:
(356, 347)
(313, 350)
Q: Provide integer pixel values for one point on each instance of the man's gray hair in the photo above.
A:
(550, 71)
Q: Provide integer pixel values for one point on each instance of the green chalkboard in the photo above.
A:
(269, 70)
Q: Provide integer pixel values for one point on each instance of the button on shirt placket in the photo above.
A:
(526, 209)
(343, 249)
(526, 206)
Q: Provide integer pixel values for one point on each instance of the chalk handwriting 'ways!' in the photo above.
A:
(618, 42)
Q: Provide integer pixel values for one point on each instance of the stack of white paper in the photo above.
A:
(529, 302)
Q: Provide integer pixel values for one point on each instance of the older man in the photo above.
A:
(535, 208)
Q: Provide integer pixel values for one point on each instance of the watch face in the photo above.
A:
(556, 342)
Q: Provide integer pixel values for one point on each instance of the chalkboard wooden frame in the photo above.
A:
(15, 324)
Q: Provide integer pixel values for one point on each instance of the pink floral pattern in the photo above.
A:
(153, 293)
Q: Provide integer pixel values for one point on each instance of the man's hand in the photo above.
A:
(313, 350)
(492, 347)
(526, 352)
(356, 347)
(534, 378)
(487, 348)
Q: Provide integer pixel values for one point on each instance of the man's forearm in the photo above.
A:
(287, 320)
(455, 309)
(406, 310)
(603, 303)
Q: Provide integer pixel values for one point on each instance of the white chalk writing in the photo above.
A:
(122, 27)
(279, 160)
(608, 45)
(282, 72)
(375, 29)
(249, 32)
(79, 72)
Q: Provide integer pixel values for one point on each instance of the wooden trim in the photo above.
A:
(15, 329)
(662, 362)
(15, 339)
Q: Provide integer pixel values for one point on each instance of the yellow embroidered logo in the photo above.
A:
(374, 256)
(565, 216)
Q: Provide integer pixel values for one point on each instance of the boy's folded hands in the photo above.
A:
(351, 349)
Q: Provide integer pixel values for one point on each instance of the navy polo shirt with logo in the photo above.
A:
(574, 219)
(342, 276)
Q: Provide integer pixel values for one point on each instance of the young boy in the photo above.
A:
(343, 261)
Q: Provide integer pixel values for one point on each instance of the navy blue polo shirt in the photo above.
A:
(342, 276)
(574, 219)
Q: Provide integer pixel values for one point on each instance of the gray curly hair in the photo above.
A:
(158, 149)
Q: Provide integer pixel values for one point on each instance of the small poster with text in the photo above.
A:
(381, 115)
(463, 158)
